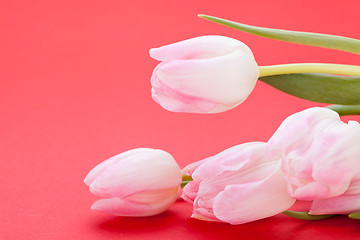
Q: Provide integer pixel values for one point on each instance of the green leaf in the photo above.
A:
(306, 216)
(305, 38)
(324, 88)
(355, 215)
(346, 110)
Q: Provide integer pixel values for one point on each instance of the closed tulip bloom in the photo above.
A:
(207, 74)
(238, 185)
(139, 182)
(320, 157)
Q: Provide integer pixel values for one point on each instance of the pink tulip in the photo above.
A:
(207, 74)
(320, 159)
(238, 185)
(139, 182)
(346, 203)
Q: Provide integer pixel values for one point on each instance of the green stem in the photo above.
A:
(329, 68)
(355, 215)
(344, 110)
(185, 180)
(306, 216)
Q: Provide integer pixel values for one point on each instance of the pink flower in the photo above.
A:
(320, 159)
(207, 74)
(238, 185)
(139, 182)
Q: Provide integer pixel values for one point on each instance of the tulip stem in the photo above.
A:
(185, 180)
(344, 110)
(306, 216)
(339, 69)
(355, 215)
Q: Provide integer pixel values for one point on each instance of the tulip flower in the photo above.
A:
(207, 74)
(320, 159)
(139, 182)
(238, 185)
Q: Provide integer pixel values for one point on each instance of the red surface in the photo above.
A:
(75, 90)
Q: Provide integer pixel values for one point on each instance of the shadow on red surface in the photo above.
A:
(130, 224)
(184, 227)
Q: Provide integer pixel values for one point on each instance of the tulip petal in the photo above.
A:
(95, 172)
(317, 161)
(251, 201)
(210, 187)
(288, 132)
(176, 101)
(146, 170)
(190, 191)
(346, 203)
(232, 159)
(203, 77)
(203, 212)
(317, 190)
(189, 169)
(199, 47)
(333, 154)
(201, 216)
(343, 204)
(354, 188)
(334, 164)
(128, 208)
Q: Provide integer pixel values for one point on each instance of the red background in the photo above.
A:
(75, 90)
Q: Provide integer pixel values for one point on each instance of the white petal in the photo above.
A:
(130, 208)
(343, 204)
(190, 191)
(232, 159)
(176, 101)
(146, 170)
(247, 202)
(95, 172)
(298, 126)
(199, 47)
(226, 79)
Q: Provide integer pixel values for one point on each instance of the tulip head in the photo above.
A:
(207, 74)
(238, 185)
(139, 182)
(319, 152)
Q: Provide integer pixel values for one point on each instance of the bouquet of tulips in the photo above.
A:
(308, 169)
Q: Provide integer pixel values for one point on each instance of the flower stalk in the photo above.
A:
(306, 216)
(345, 110)
(185, 180)
(339, 69)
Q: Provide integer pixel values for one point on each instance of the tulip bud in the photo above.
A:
(139, 182)
(320, 156)
(207, 74)
(238, 185)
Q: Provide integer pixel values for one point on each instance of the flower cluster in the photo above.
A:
(320, 160)
(250, 181)
(319, 164)
(310, 158)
